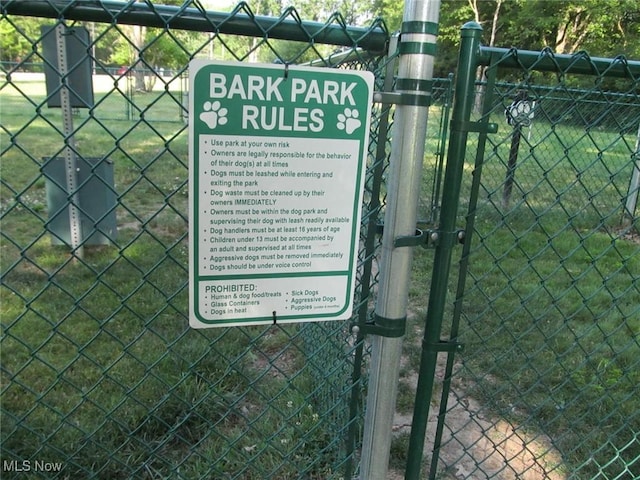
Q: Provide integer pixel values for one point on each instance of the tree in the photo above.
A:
(128, 52)
(17, 38)
(602, 27)
(146, 49)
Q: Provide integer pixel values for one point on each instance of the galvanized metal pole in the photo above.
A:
(413, 88)
(431, 345)
(71, 167)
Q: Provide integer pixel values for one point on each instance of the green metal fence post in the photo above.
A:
(463, 265)
(413, 87)
(370, 246)
(460, 127)
(441, 151)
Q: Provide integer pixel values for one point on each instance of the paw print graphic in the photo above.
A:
(348, 121)
(213, 114)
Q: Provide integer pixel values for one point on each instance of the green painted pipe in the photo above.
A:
(461, 113)
(238, 22)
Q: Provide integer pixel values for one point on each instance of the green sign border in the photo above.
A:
(198, 96)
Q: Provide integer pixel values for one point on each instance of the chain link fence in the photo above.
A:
(101, 376)
(547, 386)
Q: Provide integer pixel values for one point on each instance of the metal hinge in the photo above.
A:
(480, 127)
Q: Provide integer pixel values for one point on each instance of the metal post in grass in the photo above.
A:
(447, 240)
(412, 98)
(511, 165)
(71, 168)
(518, 114)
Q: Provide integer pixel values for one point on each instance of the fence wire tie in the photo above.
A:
(274, 317)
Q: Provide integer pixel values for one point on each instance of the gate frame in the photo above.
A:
(471, 56)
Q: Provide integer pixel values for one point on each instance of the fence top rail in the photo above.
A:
(587, 96)
(548, 61)
(240, 21)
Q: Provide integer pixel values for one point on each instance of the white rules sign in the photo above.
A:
(277, 160)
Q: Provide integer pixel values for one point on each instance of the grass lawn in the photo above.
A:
(551, 315)
(100, 370)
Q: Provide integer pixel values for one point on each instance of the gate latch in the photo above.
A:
(430, 238)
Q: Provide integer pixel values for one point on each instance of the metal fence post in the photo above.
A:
(413, 95)
(460, 127)
(71, 175)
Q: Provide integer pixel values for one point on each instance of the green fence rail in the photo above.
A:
(548, 383)
(101, 376)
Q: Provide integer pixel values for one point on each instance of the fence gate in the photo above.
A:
(548, 382)
(102, 377)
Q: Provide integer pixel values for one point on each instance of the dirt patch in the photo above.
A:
(478, 445)
(277, 366)
(629, 235)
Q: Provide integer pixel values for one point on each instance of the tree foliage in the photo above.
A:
(17, 38)
(603, 28)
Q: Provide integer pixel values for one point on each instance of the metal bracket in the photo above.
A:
(398, 98)
(430, 238)
(479, 127)
(385, 327)
(409, 91)
(448, 346)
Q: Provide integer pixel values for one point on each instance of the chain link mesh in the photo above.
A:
(101, 376)
(548, 383)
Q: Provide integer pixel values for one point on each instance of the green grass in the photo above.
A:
(99, 367)
(551, 317)
(100, 370)
(569, 333)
